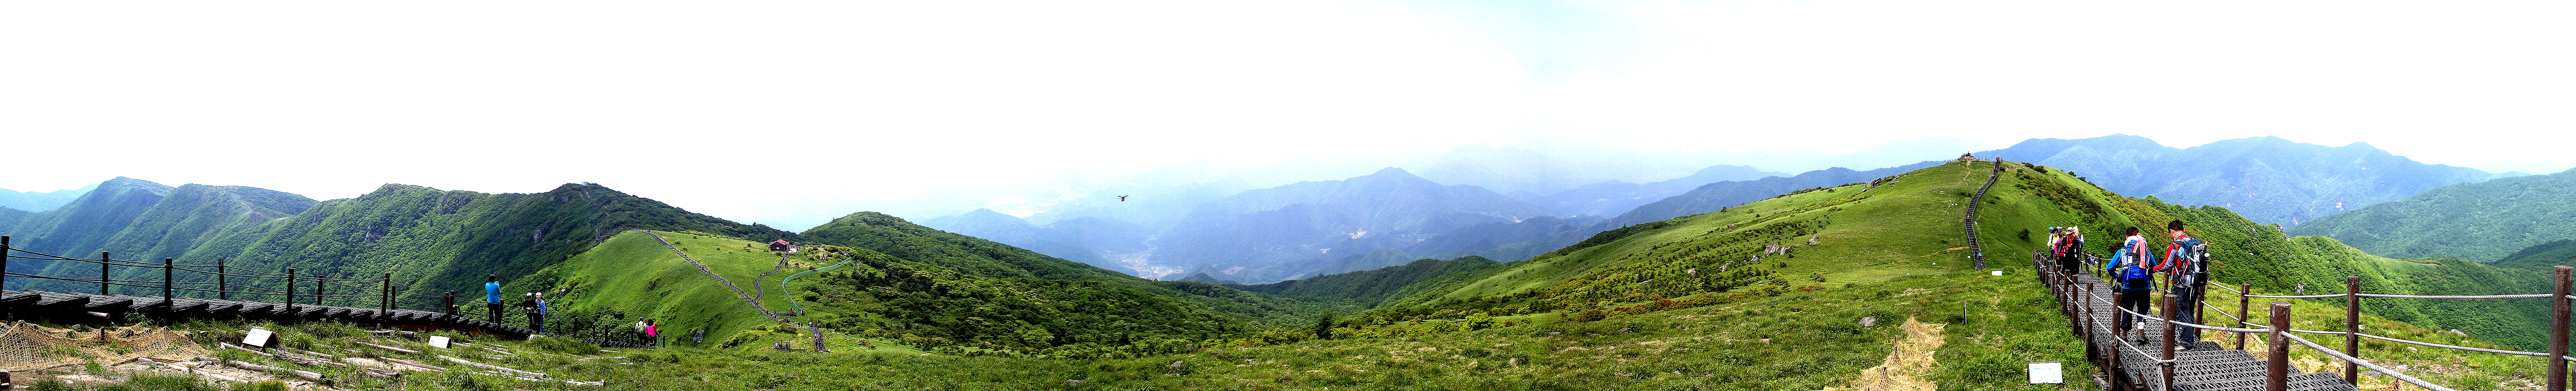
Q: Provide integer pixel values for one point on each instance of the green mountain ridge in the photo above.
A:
(2482, 221)
(2560, 252)
(1373, 286)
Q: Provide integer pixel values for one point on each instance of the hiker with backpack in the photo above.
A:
(2066, 244)
(2186, 265)
(2132, 280)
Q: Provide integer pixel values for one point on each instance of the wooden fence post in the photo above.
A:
(169, 309)
(317, 291)
(290, 290)
(2276, 370)
(102, 272)
(2352, 328)
(2167, 364)
(222, 291)
(385, 297)
(2558, 332)
(4, 263)
(2087, 303)
(2118, 340)
(2243, 298)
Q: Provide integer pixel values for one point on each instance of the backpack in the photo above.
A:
(2136, 278)
(2193, 256)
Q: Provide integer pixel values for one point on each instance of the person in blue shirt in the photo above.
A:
(2131, 280)
(492, 295)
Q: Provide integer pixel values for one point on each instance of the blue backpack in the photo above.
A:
(2136, 278)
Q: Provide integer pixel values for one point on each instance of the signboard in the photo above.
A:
(439, 341)
(2050, 372)
(258, 337)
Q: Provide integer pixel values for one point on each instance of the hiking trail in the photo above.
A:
(737, 291)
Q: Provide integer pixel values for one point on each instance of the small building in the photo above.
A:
(779, 245)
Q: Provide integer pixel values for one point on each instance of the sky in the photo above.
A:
(791, 113)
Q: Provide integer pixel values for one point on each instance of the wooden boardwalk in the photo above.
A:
(2207, 366)
(31, 303)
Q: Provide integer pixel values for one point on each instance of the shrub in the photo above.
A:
(1593, 315)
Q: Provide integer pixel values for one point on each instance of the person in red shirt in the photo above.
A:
(2186, 264)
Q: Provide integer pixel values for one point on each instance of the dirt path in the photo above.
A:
(1906, 365)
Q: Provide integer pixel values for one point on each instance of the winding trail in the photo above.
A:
(756, 292)
(737, 291)
(1979, 252)
(782, 284)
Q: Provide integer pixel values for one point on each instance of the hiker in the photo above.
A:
(537, 316)
(2186, 266)
(492, 295)
(528, 306)
(2067, 244)
(2132, 281)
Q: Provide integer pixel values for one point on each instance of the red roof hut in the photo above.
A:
(778, 245)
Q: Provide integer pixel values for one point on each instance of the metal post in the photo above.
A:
(222, 291)
(317, 291)
(2242, 299)
(290, 290)
(102, 272)
(2276, 372)
(385, 297)
(2558, 333)
(2352, 328)
(4, 263)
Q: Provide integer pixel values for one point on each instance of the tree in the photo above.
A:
(1324, 327)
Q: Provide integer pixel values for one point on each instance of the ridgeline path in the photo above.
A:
(737, 291)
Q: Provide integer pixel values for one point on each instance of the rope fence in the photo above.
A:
(2064, 284)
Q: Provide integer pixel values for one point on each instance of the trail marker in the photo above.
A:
(2050, 372)
(258, 337)
(439, 341)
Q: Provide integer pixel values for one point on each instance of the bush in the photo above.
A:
(1593, 315)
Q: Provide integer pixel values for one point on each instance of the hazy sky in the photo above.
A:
(793, 113)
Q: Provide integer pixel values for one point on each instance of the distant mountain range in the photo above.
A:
(1260, 236)
(28, 201)
(2483, 221)
(1613, 198)
(2267, 179)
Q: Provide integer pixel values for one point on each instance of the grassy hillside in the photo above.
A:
(1373, 286)
(2261, 255)
(2482, 221)
(435, 241)
(634, 275)
(2553, 253)
(893, 299)
(983, 258)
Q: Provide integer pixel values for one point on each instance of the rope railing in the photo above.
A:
(2366, 364)
(2060, 279)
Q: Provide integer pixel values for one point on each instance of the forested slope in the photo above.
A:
(2481, 221)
